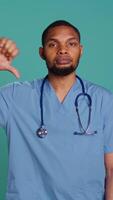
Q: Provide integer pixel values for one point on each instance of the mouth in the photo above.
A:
(63, 60)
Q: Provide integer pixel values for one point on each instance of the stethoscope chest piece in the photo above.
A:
(41, 132)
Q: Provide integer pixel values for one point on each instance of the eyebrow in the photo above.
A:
(55, 40)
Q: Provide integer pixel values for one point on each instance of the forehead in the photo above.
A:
(61, 32)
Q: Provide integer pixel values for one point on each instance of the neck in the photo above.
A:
(61, 84)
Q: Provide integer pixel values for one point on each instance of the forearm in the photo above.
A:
(109, 187)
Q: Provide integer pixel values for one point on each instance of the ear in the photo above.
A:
(81, 50)
(41, 53)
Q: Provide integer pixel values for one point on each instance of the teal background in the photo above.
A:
(24, 20)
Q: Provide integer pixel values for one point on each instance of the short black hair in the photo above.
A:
(58, 23)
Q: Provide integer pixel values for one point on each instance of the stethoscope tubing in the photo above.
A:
(42, 131)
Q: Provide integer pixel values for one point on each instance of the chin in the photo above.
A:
(61, 70)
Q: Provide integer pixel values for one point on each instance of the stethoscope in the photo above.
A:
(42, 131)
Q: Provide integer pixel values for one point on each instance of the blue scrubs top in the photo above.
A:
(61, 166)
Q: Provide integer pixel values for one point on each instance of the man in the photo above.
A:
(59, 129)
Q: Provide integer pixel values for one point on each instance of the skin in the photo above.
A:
(8, 51)
(109, 176)
(62, 48)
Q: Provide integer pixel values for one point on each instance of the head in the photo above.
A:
(61, 48)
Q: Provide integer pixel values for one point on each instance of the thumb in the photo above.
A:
(14, 71)
(6, 66)
(11, 69)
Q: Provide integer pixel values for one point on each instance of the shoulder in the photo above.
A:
(97, 90)
(23, 87)
(101, 97)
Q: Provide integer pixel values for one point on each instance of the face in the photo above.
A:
(62, 50)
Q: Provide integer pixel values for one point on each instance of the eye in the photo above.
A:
(73, 44)
(52, 44)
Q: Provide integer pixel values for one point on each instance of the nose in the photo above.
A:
(62, 51)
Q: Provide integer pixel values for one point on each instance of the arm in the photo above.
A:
(8, 51)
(109, 176)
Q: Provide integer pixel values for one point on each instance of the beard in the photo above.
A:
(62, 71)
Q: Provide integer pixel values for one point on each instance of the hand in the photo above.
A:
(8, 51)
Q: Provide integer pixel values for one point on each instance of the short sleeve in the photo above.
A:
(5, 103)
(11, 94)
(108, 124)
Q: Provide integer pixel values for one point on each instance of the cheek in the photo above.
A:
(76, 58)
(50, 56)
(76, 55)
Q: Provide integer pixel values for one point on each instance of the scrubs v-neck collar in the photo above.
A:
(69, 98)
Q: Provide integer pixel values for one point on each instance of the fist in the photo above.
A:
(8, 51)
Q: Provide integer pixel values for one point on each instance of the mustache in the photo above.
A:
(63, 59)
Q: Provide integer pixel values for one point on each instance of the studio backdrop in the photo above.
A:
(23, 21)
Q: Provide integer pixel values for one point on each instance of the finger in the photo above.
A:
(8, 56)
(14, 71)
(15, 52)
(3, 42)
(2, 38)
(12, 55)
(9, 44)
(8, 48)
(11, 69)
